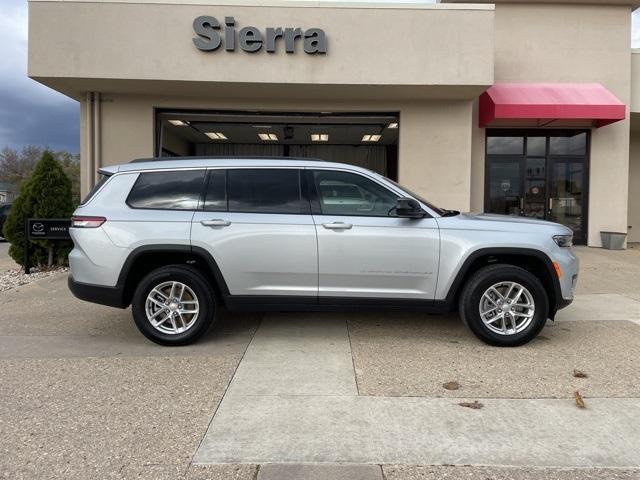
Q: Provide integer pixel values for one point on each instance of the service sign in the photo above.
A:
(48, 228)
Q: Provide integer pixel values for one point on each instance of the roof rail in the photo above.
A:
(224, 157)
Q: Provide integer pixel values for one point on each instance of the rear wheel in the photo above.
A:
(173, 305)
(504, 305)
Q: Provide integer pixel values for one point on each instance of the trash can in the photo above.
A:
(613, 240)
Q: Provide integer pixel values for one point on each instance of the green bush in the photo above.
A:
(45, 194)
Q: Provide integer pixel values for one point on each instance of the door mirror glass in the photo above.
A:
(408, 208)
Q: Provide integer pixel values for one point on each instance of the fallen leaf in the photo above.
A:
(451, 385)
(476, 405)
(579, 400)
(579, 374)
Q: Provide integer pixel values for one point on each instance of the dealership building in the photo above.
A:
(511, 106)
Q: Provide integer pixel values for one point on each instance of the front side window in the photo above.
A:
(344, 193)
(173, 190)
(264, 190)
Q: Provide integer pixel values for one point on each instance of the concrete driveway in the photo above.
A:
(355, 396)
(6, 262)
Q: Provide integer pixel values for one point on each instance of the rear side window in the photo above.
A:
(96, 187)
(264, 191)
(215, 196)
(176, 190)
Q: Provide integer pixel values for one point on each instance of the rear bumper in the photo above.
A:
(110, 296)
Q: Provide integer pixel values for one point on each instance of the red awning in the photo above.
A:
(549, 104)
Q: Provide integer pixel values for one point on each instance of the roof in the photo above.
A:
(172, 163)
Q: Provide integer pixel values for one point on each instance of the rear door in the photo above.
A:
(364, 249)
(256, 224)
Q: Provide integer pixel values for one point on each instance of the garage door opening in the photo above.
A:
(368, 140)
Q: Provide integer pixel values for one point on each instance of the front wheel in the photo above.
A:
(173, 305)
(504, 305)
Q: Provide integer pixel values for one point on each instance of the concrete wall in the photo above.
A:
(635, 80)
(572, 43)
(146, 40)
(634, 180)
(434, 143)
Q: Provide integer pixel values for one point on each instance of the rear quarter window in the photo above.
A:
(96, 187)
(175, 190)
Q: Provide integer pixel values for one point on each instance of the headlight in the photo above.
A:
(563, 240)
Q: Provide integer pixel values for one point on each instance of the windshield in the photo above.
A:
(438, 210)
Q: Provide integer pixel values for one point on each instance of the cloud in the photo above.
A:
(30, 113)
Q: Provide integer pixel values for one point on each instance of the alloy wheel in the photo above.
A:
(172, 307)
(507, 308)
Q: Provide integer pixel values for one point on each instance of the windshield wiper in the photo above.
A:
(450, 213)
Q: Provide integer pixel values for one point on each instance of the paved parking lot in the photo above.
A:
(356, 395)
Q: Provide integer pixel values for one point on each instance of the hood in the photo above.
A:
(490, 221)
(493, 217)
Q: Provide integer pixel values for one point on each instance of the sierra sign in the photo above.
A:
(251, 39)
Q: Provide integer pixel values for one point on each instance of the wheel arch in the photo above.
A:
(532, 260)
(146, 258)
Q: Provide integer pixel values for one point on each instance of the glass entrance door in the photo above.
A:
(566, 198)
(538, 174)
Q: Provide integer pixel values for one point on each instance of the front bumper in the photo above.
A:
(110, 296)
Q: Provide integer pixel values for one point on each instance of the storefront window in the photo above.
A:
(571, 145)
(505, 145)
(541, 174)
(536, 146)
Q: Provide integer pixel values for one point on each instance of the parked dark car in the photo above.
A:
(4, 213)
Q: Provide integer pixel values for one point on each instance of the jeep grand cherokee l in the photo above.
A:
(176, 238)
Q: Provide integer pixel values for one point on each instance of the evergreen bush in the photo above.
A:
(45, 194)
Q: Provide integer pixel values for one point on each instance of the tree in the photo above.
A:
(15, 167)
(46, 194)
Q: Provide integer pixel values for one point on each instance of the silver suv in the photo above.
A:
(177, 238)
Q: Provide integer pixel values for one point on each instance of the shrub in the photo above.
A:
(45, 194)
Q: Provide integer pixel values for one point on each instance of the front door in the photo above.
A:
(539, 174)
(364, 249)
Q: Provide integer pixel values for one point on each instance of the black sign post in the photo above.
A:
(43, 229)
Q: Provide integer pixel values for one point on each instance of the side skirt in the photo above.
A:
(247, 303)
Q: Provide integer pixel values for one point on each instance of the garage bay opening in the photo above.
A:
(368, 140)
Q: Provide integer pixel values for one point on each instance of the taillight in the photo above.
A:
(87, 222)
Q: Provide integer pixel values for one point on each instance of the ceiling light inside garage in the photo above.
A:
(268, 137)
(177, 123)
(371, 138)
(215, 135)
(319, 137)
(393, 125)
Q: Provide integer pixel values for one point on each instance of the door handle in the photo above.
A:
(337, 226)
(215, 223)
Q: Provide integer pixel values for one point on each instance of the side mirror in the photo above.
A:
(408, 208)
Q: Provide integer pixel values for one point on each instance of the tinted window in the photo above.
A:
(215, 199)
(505, 145)
(264, 191)
(344, 193)
(96, 187)
(574, 145)
(178, 190)
(536, 146)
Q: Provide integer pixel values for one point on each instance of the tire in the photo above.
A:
(528, 321)
(185, 328)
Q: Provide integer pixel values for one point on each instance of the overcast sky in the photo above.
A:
(31, 113)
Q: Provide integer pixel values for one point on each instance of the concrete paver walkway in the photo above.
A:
(276, 411)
